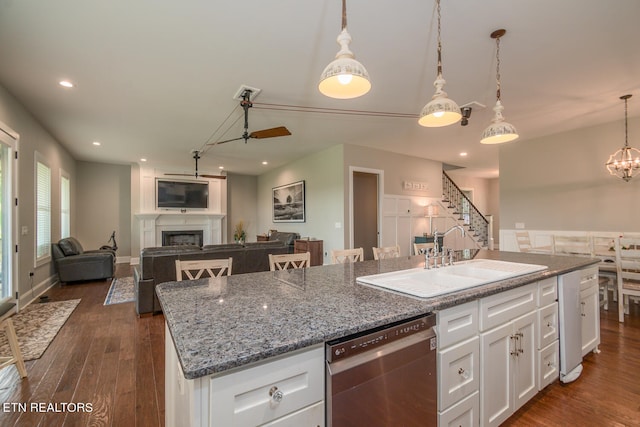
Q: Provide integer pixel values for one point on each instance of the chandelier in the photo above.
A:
(626, 160)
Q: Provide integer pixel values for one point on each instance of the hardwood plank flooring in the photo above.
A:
(107, 356)
(104, 356)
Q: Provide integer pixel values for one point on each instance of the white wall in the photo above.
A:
(560, 182)
(34, 137)
(324, 197)
(104, 198)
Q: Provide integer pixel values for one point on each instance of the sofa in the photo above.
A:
(157, 265)
(73, 263)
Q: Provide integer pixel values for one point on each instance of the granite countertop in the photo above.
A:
(221, 324)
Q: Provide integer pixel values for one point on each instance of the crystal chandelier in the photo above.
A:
(626, 160)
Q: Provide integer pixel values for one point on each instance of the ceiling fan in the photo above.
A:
(196, 156)
(257, 134)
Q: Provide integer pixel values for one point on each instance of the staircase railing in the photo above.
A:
(468, 213)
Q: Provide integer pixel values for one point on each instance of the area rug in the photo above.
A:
(121, 290)
(37, 325)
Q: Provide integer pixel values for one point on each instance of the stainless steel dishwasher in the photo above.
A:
(386, 377)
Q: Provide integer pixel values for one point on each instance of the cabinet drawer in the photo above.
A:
(311, 416)
(457, 323)
(242, 398)
(547, 291)
(458, 372)
(548, 321)
(463, 414)
(589, 278)
(500, 308)
(548, 365)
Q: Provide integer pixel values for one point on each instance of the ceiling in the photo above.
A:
(155, 79)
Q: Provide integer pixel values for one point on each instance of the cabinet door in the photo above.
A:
(462, 414)
(548, 365)
(590, 313)
(525, 373)
(496, 391)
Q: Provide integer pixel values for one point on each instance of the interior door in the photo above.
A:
(8, 212)
(365, 212)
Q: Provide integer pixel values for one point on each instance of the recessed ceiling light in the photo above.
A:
(66, 83)
(96, 143)
(143, 159)
(220, 167)
(265, 163)
(463, 154)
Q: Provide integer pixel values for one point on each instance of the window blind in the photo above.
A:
(43, 209)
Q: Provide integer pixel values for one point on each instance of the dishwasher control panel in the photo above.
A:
(359, 343)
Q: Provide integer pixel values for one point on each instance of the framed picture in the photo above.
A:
(288, 203)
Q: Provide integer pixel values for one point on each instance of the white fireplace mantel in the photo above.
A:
(152, 224)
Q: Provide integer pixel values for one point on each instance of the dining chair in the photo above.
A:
(345, 256)
(213, 267)
(386, 252)
(287, 261)
(524, 244)
(628, 269)
(14, 348)
(421, 248)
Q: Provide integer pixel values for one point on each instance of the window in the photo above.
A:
(43, 211)
(65, 206)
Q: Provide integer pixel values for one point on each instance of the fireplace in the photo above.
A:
(182, 237)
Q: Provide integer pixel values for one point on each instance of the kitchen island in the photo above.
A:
(217, 328)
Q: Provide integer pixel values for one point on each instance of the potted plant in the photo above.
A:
(239, 233)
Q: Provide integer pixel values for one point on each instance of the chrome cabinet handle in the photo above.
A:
(276, 395)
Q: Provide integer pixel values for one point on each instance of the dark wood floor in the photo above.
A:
(103, 355)
(109, 357)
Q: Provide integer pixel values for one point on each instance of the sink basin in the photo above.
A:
(439, 281)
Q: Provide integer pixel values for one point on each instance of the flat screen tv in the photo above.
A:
(182, 194)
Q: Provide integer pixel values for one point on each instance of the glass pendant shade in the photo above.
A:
(499, 131)
(344, 77)
(440, 111)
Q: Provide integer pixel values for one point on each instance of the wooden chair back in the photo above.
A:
(386, 252)
(287, 261)
(421, 248)
(628, 269)
(572, 245)
(16, 355)
(344, 256)
(194, 269)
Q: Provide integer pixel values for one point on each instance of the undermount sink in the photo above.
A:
(425, 283)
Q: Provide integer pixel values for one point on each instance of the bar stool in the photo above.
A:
(16, 355)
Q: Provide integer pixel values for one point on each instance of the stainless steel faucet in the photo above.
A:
(436, 248)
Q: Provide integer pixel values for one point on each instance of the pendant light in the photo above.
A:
(498, 131)
(440, 111)
(622, 163)
(344, 77)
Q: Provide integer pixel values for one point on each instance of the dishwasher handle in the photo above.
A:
(337, 367)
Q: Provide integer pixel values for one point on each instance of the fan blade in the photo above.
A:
(270, 133)
(225, 141)
(213, 176)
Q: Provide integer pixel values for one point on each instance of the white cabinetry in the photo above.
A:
(508, 378)
(509, 354)
(284, 391)
(458, 366)
(590, 310)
